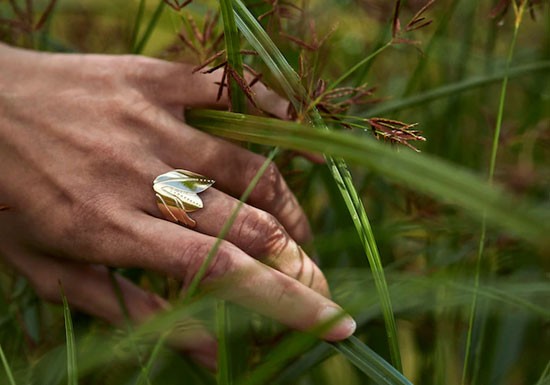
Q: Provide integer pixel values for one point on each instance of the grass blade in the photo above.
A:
(138, 48)
(439, 178)
(137, 22)
(232, 341)
(456, 88)
(370, 363)
(234, 59)
(290, 83)
(72, 370)
(6, 367)
(492, 164)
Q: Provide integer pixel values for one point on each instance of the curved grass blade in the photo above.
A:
(72, 369)
(370, 363)
(424, 173)
(9, 374)
(295, 92)
(455, 88)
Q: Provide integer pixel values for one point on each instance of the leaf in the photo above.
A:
(6, 367)
(72, 370)
(424, 173)
(370, 363)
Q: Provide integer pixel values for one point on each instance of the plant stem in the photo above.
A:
(494, 150)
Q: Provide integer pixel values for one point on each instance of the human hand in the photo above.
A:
(82, 137)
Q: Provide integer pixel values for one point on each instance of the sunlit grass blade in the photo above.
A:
(370, 363)
(140, 45)
(295, 92)
(7, 368)
(456, 88)
(72, 369)
(424, 173)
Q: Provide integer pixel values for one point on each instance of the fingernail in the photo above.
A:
(343, 328)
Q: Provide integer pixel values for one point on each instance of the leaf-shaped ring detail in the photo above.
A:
(177, 194)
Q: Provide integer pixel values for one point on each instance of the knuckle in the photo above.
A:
(288, 291)
(271, 183)
(95, 226)
(195, 255)
(260, 233)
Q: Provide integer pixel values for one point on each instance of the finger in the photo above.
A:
(259, 235)
(231, 274)
(233, 168)
(179, 85)
(91, 290)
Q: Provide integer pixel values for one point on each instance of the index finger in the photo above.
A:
(231, 275)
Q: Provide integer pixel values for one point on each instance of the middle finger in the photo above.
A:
(258, 234)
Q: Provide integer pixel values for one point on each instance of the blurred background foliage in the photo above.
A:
(428, 248)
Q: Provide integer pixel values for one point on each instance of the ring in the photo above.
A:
(176, 193)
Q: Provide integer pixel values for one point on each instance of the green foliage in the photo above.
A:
(425, 210)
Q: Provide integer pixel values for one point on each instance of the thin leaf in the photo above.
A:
(456, 88)
(481, 247)
(234, 58)
(72, 369)
(370, 363)
(424, 173)
(138, 48)
(6, 367)
(137, 22)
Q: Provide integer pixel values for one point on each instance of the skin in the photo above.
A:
(82, 137)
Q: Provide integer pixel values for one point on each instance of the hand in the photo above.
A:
(81, 139)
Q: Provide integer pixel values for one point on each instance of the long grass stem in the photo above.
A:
(482, 239)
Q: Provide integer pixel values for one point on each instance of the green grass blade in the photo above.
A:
(290, 83)
(492, 165)
(140, 46)
(232, 342)
(456, 88)
(6, 367)
(137, 22)
(424, 173)
(224, 365)
(234, 59)
(227, 226)
(370, 363)
(72, 369)
(544, 377)
(359, 65)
